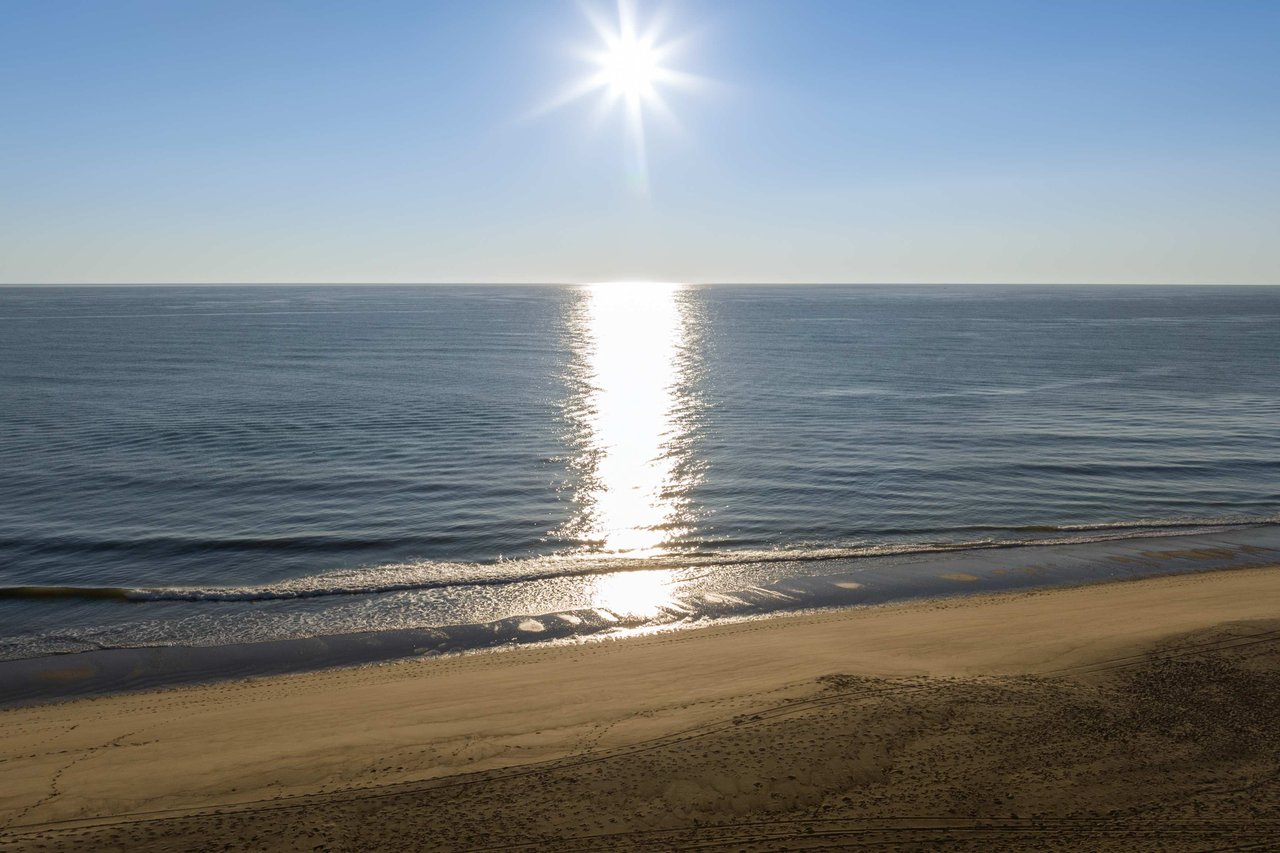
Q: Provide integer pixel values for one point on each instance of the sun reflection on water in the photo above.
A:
(644, 593)
(632, 412)
(632, 416)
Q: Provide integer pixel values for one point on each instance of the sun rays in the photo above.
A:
(628, 72)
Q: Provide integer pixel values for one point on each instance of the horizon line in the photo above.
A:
(562, 283)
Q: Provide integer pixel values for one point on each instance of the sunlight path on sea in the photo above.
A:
(631, 412)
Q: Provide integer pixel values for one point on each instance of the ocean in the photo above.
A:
(233, 480)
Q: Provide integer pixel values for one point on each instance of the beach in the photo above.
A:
(639, 426)
(1130, 715)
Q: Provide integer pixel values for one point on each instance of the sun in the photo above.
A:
(630, 74)
(629, 68)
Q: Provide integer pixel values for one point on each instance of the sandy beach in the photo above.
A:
(1135, 715)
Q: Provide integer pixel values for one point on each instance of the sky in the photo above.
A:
(203, 141)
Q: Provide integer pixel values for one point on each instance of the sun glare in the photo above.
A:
(629, 73)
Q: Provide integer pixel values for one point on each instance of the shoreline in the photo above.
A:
(345, 733)
(843, 584)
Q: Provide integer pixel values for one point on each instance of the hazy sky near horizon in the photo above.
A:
(831, 141)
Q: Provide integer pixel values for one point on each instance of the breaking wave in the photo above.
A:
(425, 575)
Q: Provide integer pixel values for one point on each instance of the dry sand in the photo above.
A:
(1131, 716)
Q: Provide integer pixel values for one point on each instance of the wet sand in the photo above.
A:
(1141, 715)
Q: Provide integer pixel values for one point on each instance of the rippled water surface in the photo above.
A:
(212, 465)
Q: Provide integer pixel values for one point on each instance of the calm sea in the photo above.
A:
(199, 466)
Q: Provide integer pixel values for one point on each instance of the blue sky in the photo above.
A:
(903, 141)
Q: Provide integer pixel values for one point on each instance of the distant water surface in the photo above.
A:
(228, 464)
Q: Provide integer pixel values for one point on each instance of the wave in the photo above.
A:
(162, 546)
(428, 575)
(992, 390)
